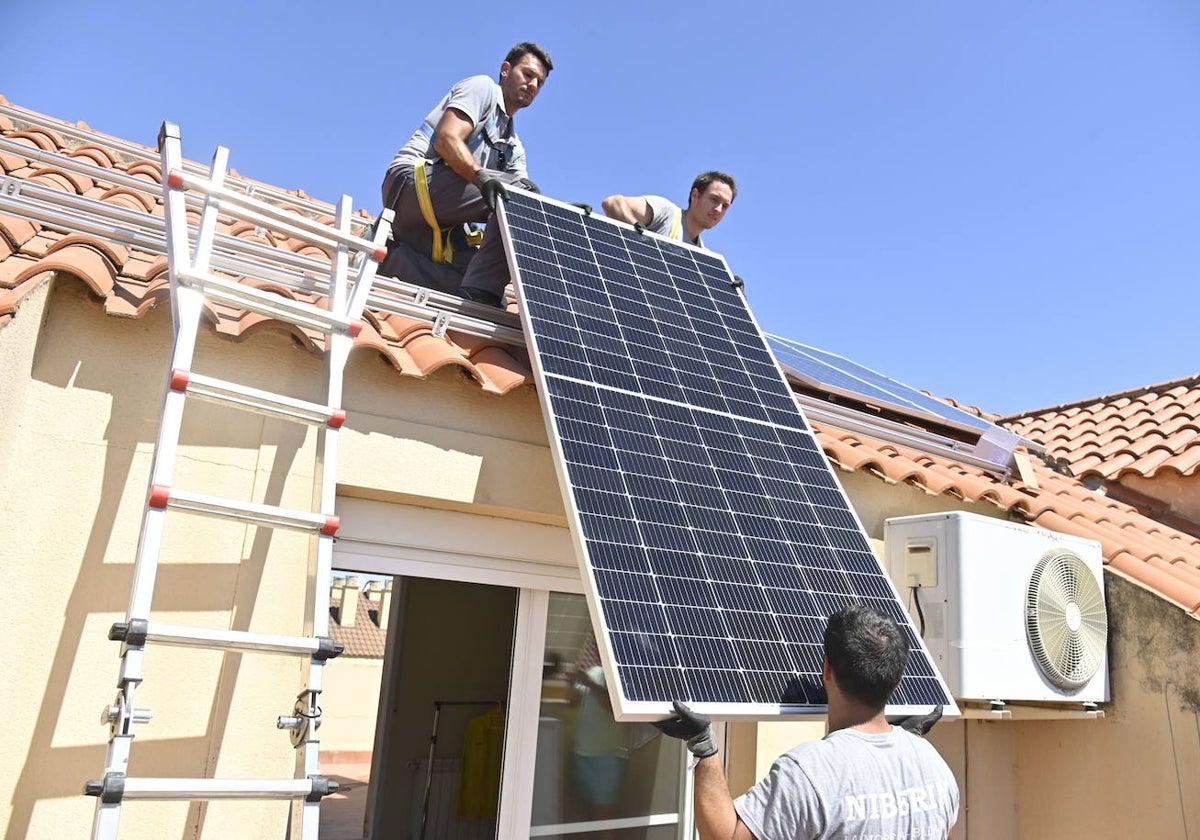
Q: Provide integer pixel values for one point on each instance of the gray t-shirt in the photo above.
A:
(854, 786)
(494, 142)
(668, 219)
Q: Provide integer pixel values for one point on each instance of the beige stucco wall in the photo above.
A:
(79, 397)
(82, 393)
(349, 704)
(1181, 492)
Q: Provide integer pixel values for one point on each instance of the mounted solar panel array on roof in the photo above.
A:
(713, 536)
(838, 374)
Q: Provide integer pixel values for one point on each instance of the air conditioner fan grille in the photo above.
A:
(1065, 619)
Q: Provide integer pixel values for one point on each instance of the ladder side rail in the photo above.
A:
(202, 250)
(340, 261)
(185, 317)
(368, 270)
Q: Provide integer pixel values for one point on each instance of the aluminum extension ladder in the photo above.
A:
(192, 286)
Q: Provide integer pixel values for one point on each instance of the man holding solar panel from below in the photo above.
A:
(711, 195)
(865, 780)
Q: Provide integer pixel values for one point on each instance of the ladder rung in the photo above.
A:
(267, 303)
(139, 631)
(253, 399)
(115, 787)
(240, 205)
(276, 517)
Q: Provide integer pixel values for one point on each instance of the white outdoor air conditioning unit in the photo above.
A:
(1010, 612)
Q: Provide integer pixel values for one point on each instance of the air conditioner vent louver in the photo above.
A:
(1065, 619)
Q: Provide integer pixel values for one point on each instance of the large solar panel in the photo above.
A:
(839, 374)
(712, 534)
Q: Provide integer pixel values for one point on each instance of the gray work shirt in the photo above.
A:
(852, 785)
(494, 141)
(668, 219)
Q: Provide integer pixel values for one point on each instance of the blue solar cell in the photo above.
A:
(714, 536)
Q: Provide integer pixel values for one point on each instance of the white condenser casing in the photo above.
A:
(1011, 612)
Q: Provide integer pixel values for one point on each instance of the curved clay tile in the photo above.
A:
(10, 163)
(500, 371)
(146, 170)
(1186, 463)
(39, 137)
(851, 458)
(429, 354)
(96, 154)
(81, 261)
(58, 180)
(118, 254)
(144, 267)
(307, 249)
(1149, 464)
(126, 197)
(133, 300)
(1157, 581)
(17, 231)
(400, 327)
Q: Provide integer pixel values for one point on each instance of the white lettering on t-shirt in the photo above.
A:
(888, 804)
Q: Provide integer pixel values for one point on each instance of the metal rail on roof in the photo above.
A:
(901, 434)
(73, 213)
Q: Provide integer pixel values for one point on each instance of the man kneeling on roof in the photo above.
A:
(450, 174)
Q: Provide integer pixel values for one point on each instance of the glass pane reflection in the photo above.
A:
(589, 767)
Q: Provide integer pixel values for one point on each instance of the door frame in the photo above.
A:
(533, 558)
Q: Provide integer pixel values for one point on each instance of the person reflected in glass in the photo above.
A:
(600, 751)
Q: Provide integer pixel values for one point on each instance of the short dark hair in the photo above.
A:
(529, 48)
(705, 178)
(867, 651)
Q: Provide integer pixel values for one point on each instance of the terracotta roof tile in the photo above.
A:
(129, 282)
(1144, 431)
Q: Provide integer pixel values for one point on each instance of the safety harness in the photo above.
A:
(443, 245)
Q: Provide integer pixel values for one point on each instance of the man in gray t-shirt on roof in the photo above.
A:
(450, 173)
(711, 195)
(865, 780)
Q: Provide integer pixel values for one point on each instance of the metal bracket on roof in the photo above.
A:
(440, 322)
(421, 298)
(10, 186)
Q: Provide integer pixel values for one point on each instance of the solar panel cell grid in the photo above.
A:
(713, 535)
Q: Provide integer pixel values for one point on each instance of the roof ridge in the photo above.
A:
(1190, 379)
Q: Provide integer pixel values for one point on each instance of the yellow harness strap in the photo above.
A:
(442, 250)
(443, 246)
(676, 231)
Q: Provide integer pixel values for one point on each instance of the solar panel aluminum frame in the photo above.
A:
(625, 708)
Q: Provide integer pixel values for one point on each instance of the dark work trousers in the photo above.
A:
(455, 202)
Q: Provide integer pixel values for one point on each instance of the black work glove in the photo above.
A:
(491, 187)
(692, 727)
(920, 724)
(586, 208)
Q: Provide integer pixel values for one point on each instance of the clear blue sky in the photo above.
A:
(995, 201)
